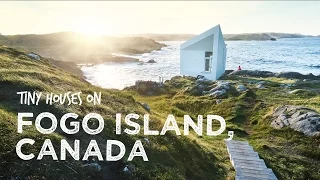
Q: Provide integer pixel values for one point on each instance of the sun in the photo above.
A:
(91, 26)
(90, 29)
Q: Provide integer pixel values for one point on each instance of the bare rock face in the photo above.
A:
(218, 93)
(253, 73)
(299, 118)
(220, 89)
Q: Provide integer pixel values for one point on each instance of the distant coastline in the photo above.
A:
(69, 46)
(228, 37)
(80, 48)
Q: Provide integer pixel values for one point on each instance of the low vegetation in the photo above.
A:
(290, 154)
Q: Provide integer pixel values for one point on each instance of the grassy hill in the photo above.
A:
(290, 154)
(79, 48)
(167, 154)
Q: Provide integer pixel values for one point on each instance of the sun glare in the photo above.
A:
(91, 26)
(90, 29)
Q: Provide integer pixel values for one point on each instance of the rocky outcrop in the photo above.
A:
(273, 39)
(241, 88)
(149, 88)
(295, 75)
(299, 118)
(218, 93)
(146, 106)
(68, 66)
(151, 61)
(263, 74)
(34, 56)
(261, 85)
(220, 89)
(253, 73)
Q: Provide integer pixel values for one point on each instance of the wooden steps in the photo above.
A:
(247, 162)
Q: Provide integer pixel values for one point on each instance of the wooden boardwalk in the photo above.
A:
(247, 163)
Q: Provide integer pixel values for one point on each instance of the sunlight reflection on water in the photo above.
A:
(300, 55)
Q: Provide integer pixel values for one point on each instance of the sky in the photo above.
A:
(134, 17)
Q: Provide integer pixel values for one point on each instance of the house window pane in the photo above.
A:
(207, 65)
(208, 54)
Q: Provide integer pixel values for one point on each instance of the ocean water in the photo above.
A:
(300, 55)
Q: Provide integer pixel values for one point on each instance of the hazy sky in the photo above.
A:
(159, 17)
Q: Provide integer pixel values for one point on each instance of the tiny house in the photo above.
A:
(204, 55)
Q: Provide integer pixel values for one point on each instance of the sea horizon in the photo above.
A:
(288, 54)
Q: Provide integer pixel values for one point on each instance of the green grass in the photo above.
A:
(290, 154)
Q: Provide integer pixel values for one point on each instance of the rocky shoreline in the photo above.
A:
(264, 74)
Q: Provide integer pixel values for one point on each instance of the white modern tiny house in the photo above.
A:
(204, 55)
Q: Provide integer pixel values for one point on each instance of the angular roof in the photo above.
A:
(216, 30)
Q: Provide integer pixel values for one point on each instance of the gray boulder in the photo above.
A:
(295, 75)
(223, 84)
(241, 88)
(146, 106)
(34, 56)
(151, 61)
(220, 89)
(129, 169)
(261, 86)
(126, 171)
(253, 73)
(197, 90)
(147, 140)
(218, 93)
(201, 87)
(220, 86)
(298, 118)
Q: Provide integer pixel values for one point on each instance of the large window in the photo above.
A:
(207, 63)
